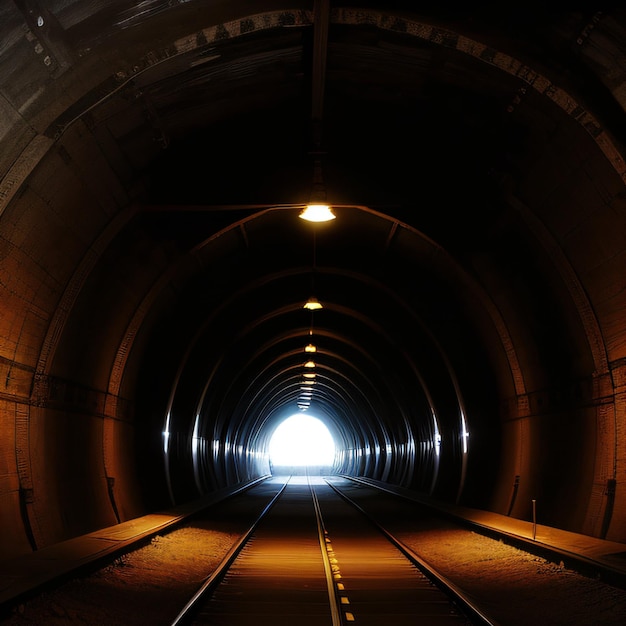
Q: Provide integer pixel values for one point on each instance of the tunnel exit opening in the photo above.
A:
(301, 444)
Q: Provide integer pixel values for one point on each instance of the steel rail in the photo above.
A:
(457, 595)
(211, 582)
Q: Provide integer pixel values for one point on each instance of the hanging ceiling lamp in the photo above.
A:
(317, 213)
(310, 348)
(317, 210)
(313, 304)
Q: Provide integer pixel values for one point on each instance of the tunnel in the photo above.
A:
(155, 161)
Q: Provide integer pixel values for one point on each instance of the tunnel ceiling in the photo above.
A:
(156, 158)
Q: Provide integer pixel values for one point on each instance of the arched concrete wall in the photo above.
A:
(492, 269)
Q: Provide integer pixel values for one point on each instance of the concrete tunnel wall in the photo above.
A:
(128, 311)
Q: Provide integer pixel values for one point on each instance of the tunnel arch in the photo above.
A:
(100, 258)
(369, 441)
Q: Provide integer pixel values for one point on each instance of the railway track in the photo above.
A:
(152, 582)
(314, 558)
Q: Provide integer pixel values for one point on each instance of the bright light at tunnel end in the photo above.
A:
(301, 441)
